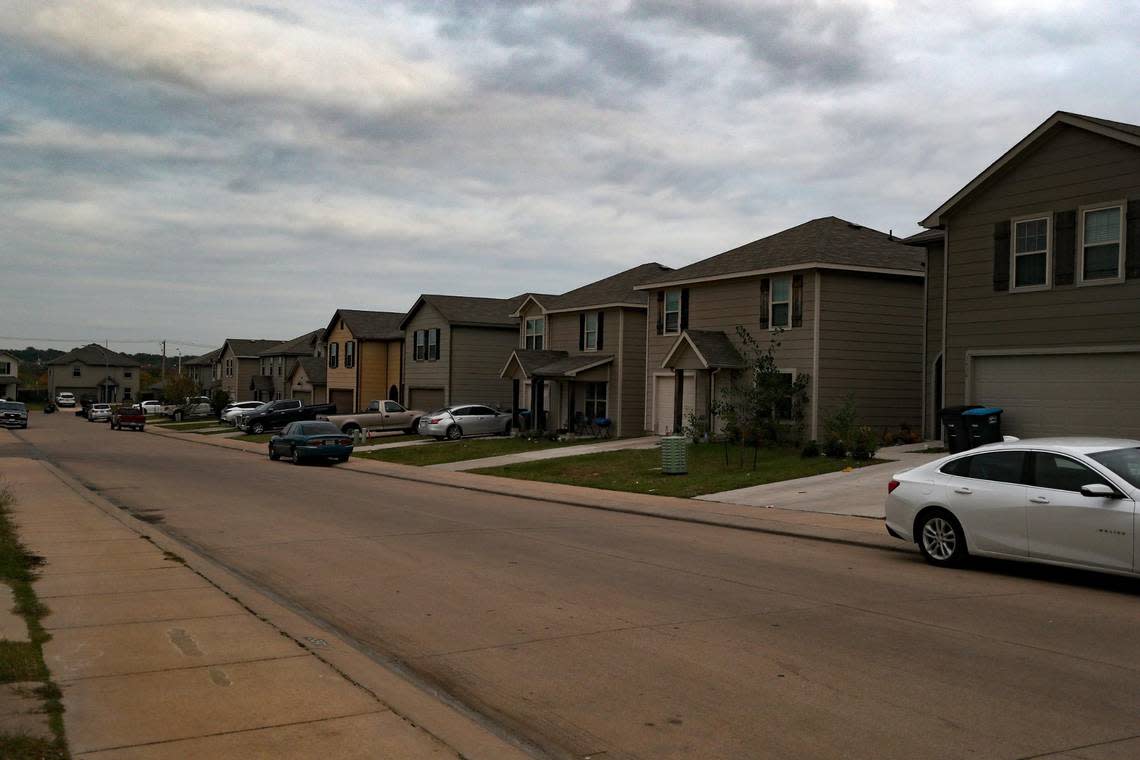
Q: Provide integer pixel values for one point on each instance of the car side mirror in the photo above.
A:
(1100, 491)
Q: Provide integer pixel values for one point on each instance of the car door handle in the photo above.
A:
(1039, 500)
(963, 490)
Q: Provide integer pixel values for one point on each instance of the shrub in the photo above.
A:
(866, 444)
(218, 400)
(811, 450)
(696, 427)
(835, 449)
(842, 424)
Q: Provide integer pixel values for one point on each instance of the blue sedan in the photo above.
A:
(311, 440)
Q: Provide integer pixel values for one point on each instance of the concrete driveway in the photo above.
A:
(859, 493)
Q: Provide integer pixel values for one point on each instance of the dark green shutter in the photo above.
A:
(684, 308)
(601, 329)
(660, 312)
(765, 298)
(1001, 256)
(1064, 247)
(797, 300)
(582, 331)
(1132, 239)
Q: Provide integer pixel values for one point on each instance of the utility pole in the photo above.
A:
(164, 366)
(107, 369)
(180, 362)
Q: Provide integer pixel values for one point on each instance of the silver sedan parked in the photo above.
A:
(459, 420)
(1060, 501)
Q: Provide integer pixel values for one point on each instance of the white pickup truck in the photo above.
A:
(380, 415)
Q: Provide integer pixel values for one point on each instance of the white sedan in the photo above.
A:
(232, 413)
(1060, 501)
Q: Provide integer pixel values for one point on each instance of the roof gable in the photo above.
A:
(470, 311)
(246, 348)
(617, 289)
(369, 325)
(299, 346)
(95, 355)
(1127, 133)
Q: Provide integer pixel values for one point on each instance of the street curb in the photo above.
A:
(433, 477)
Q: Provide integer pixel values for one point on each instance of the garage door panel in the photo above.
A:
(665, 398)
(1062, 394)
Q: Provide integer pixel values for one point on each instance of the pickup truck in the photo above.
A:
(278, 414)
(193, 406)
(380, 415)
(128, 417)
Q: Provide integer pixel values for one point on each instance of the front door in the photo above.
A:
(1065, 526)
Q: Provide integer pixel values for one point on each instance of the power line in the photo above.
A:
(113, 340)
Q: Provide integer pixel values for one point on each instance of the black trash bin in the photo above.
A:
(983, 425)
(957, 435)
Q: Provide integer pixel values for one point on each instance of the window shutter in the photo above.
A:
(660, 312)
(684, 308)
(797, 300)
(1001, 256)
(582, 331)
(435, 352)
(1132, 239)
(765, 298)
(601, 328)
(1064, 247)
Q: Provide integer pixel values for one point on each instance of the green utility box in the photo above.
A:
(675, 455)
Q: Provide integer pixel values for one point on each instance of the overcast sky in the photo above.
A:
(203, 170)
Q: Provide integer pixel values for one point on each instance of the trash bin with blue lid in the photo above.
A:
(957, 435)
(983, 425)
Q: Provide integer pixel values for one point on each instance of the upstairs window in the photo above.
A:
(535, 333)
(5, 368)
(349, 354)
(780, 305)
(334, 355)
(1030, 264)
(76, 371)
(1101, 249)
(590, 331)
(420, 345)
(433, 344)
(672, 312)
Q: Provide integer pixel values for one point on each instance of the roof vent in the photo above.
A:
(855, 226)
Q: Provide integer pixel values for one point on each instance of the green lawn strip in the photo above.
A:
(229, 429)
(187, 427)
(24, 661)
(459, 451)
(639, 470)
(260, 438)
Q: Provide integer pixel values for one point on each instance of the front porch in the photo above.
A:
(554, 392)
(686, 386)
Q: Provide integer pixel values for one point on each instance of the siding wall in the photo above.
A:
(871, 345)
(630, 415)
(722, 305)
(1069, 169)
(477, 356)
(341, 378)
(935, 277)
(237, 385)
(60, 379)
(379, 364)
(429, 374)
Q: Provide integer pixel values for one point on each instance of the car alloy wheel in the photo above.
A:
(940, 539)
(454, 433)
(293, 455)
(258, 429)
(273, 455)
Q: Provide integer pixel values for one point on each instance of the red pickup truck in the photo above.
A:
(128, 417)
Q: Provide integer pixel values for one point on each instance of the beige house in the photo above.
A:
(364, 352)
(580, 356)
(204, 370)
(9, 376)
(308, 379)
(1033, 298)
(455, 349)
(239, 363)
(95, 372)
(844, 302)
(276, 363)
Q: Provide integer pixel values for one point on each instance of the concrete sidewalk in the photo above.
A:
(860, 493)
(648, 442)
(157, 659)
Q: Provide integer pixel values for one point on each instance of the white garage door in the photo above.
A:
(1062, 394)
(663, 401)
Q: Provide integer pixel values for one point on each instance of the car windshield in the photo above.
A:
(1124, 462)
(319, 428)
(12, 406)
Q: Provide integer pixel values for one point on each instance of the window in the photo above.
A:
(1062, 474)
(596, 400)
(780, 304)
(1124, 462)
(590, 331)
(127, 373)
(229, 367)
(433, 344)
(535, 333)
(76, 371)
(280, 366)
(1101, 250)
(1030, 265)
(998, 466)
(420, 346)
(349, 354)
(334, 355)
(5, 368)
(672, 312)
(392, 407)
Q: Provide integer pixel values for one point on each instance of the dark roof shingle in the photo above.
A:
(825, 241)
(204, 360)
(299, 346)
(315, 368)
(618, 288)
(243, 347)
(476, 311)
(94, 354)
(372, 325)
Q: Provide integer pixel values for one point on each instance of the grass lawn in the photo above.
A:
(261, 438)
(24, 661)
(639, 470)
(229, 429)
(188, 427)
(458, 451)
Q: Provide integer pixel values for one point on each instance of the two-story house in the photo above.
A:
(95, 372)
(204, 370)
(364, 352)
(1033, 298)
(238, 365)
(9, 376)
(276, 363)
(580, 356)
(844, 302)
(455, 348)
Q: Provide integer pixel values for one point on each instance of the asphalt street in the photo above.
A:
(596, 634)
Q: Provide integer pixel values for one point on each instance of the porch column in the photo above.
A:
(678, 401)
(537, 413)
(569, 405)
(515, 402)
